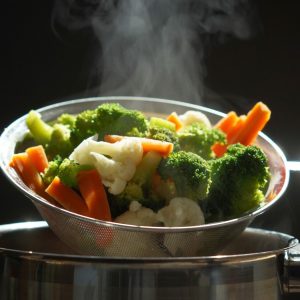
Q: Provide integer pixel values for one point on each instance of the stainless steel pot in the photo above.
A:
(35, 264)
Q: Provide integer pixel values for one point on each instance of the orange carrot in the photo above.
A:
(163, 148)
(219, 149)
(173, 117)
(233, 133)
(67, 197)
(94, 194)
(245, 130)
(38, 157)
(227, 122)
(255, 121)
(27, 171)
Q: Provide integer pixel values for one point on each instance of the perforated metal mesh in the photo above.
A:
(92, 237)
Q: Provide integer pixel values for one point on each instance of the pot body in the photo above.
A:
(36, 265)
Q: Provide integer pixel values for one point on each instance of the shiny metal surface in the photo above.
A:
(35, 264)
(88, 236)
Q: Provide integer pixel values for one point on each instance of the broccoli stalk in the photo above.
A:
(40, 130)
(239, 181)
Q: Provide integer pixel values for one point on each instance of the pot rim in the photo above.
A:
(290, 241)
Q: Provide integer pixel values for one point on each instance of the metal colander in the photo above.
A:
(100, 238)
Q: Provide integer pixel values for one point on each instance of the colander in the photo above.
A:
(89, 236)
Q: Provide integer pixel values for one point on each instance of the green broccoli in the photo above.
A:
(39, 129)
(199, 139)
(108, 118)
(164, 134)
(66, 119)
(65, 169)
(190, 174)
(59, 143)
(239, 181)
(54, 136)
(52, 170)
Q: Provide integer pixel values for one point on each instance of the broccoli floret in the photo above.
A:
(59, 143)
(68, 170)
(52, 170)
(65, 169)
(199, 139)
(239, 181)
(108, 118)
(189, 172)
(164, 134)
(66, 119)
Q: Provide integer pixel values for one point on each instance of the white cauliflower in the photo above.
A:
(138, 215)
(192, 116)
(115, 162)
(181, 212)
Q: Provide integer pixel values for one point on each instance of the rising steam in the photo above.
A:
(154, 47)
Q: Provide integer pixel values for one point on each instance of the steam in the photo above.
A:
(154, 48)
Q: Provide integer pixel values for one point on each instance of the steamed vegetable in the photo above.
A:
(238, 182)
(108, 118)
(114, 163)
(199, 139)
(188, 173)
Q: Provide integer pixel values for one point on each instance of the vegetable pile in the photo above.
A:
(115, 164)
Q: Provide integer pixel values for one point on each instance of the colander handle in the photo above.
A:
(291, 270)
(293, 165)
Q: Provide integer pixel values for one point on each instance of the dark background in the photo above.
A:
(38, 69)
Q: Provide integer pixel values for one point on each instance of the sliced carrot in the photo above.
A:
(219, 149)
(245, 130)
(67, 197)
(162, 147)
(94, 194)
(255, 121)
(174, 118)
(38, 157)
(27, 171)
(234, 132)
(227, 122)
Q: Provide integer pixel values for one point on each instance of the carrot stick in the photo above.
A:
(163, 148)
(232, 134)
(67, 197)
(255, 121)
(173, 117)
(246, 129)
(27, 171)
(38, 157)
(94, 194)
(219, 149)
(227, 122)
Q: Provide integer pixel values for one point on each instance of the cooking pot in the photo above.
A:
(35, 264)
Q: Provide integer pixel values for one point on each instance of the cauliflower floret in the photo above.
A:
(138, 215)
(181, 212)
(192, 116)
(115, 162)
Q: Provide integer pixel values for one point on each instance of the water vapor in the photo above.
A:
(154, 48)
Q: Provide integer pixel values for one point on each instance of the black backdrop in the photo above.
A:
(38, 69)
